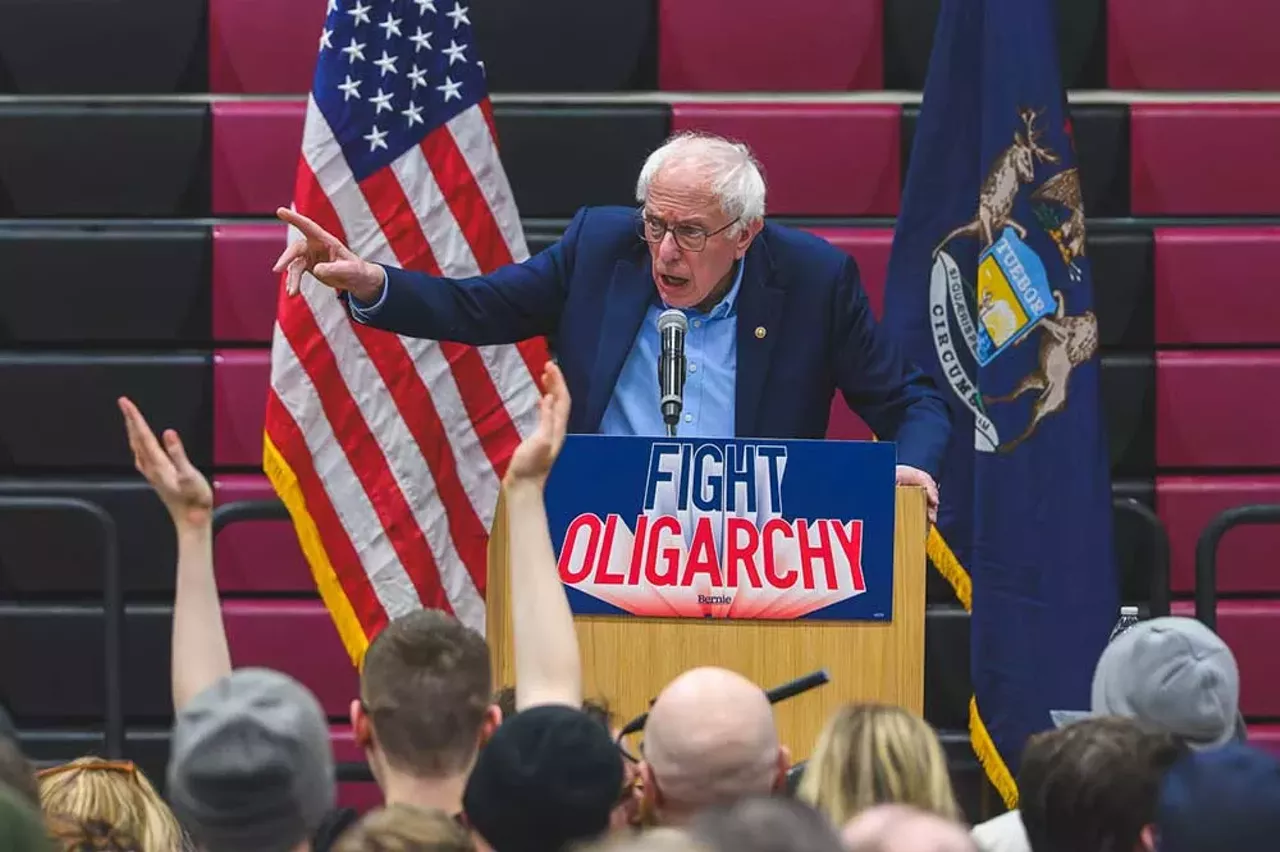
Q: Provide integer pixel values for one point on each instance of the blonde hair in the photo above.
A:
(872, 754)
(113, 792)
(404, 828)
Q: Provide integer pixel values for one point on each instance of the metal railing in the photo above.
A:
(273, 510)
(1159, 549)
(112, 605)
(1207, 553)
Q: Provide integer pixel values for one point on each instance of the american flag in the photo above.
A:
(387, 450)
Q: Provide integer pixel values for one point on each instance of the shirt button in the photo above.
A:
(688, 418)
(693, 368)
(697, 323)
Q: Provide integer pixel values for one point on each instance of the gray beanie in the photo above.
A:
(251, 765)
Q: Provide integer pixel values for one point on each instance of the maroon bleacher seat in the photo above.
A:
(1246, 555)
(240, 382)
(1216, 285)
(1252, 630)
(1204, 159)
(258, 48)
(1215, 409)
(870, 248)
(728, 46)
(296, 637)
(1191, 45)
(820, 159)
(255, 155)
(257, 556)
(244, 287)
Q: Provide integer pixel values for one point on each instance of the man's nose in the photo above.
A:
(669, 250)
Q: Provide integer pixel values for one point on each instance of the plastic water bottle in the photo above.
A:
(1128, 619)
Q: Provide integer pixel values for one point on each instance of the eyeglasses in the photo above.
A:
(688, 237)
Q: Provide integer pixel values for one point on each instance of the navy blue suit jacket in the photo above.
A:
(589, 292)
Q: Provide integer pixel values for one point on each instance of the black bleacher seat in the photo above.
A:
(47, 554)
(1102, 152)
(1134, 540)
(567, 45)
(133, 47)
(908, 39)
(946, 666)
(1129, 410)
(297, 637)
(59, 410)
(1123, 263)
(105, 284)
(104, 160)
(561, 157)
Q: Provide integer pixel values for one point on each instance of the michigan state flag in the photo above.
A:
(989, 286)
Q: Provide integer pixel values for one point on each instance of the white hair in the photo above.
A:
(731, 169)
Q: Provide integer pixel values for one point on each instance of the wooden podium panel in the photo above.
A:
(627, 660)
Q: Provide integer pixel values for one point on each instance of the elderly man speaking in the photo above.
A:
(777, 319)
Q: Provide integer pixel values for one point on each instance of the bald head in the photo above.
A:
(711, 740)
(899, 828)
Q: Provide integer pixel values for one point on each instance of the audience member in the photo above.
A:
(872, 754)
(1093, 785)
(551, 775)
(424, 708)
(404, 828)
(113, 793)
(76, 835)
(710, 740)
(764, 824)
(250, 764)
(1226, 799)
(1171, 674)
(1174, 675)
(903, 828)
(21, 828)
(653, 840)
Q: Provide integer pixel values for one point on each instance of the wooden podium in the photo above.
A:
(628, 660)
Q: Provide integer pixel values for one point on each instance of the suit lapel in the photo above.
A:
(760, 304)
(630, 292)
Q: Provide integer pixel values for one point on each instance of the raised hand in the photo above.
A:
(183, 489)
(532, 461)
(327, 259)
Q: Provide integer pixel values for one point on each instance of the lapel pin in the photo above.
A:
(760, 332)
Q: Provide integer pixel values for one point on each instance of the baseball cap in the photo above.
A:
(1226, 798)
(250, 764)
(1172, 674)
(548, 777)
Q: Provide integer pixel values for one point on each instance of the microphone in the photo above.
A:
(672, 327)
(790, 689)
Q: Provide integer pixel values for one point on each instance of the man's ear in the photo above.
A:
(1147, 839)
(492, 719)
(748, 233)
(361, 727)
(652, 798)
(784, 766)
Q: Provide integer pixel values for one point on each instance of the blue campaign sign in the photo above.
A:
(717, 528)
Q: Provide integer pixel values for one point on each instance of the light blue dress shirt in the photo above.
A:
(710, 394)
(710, 388)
